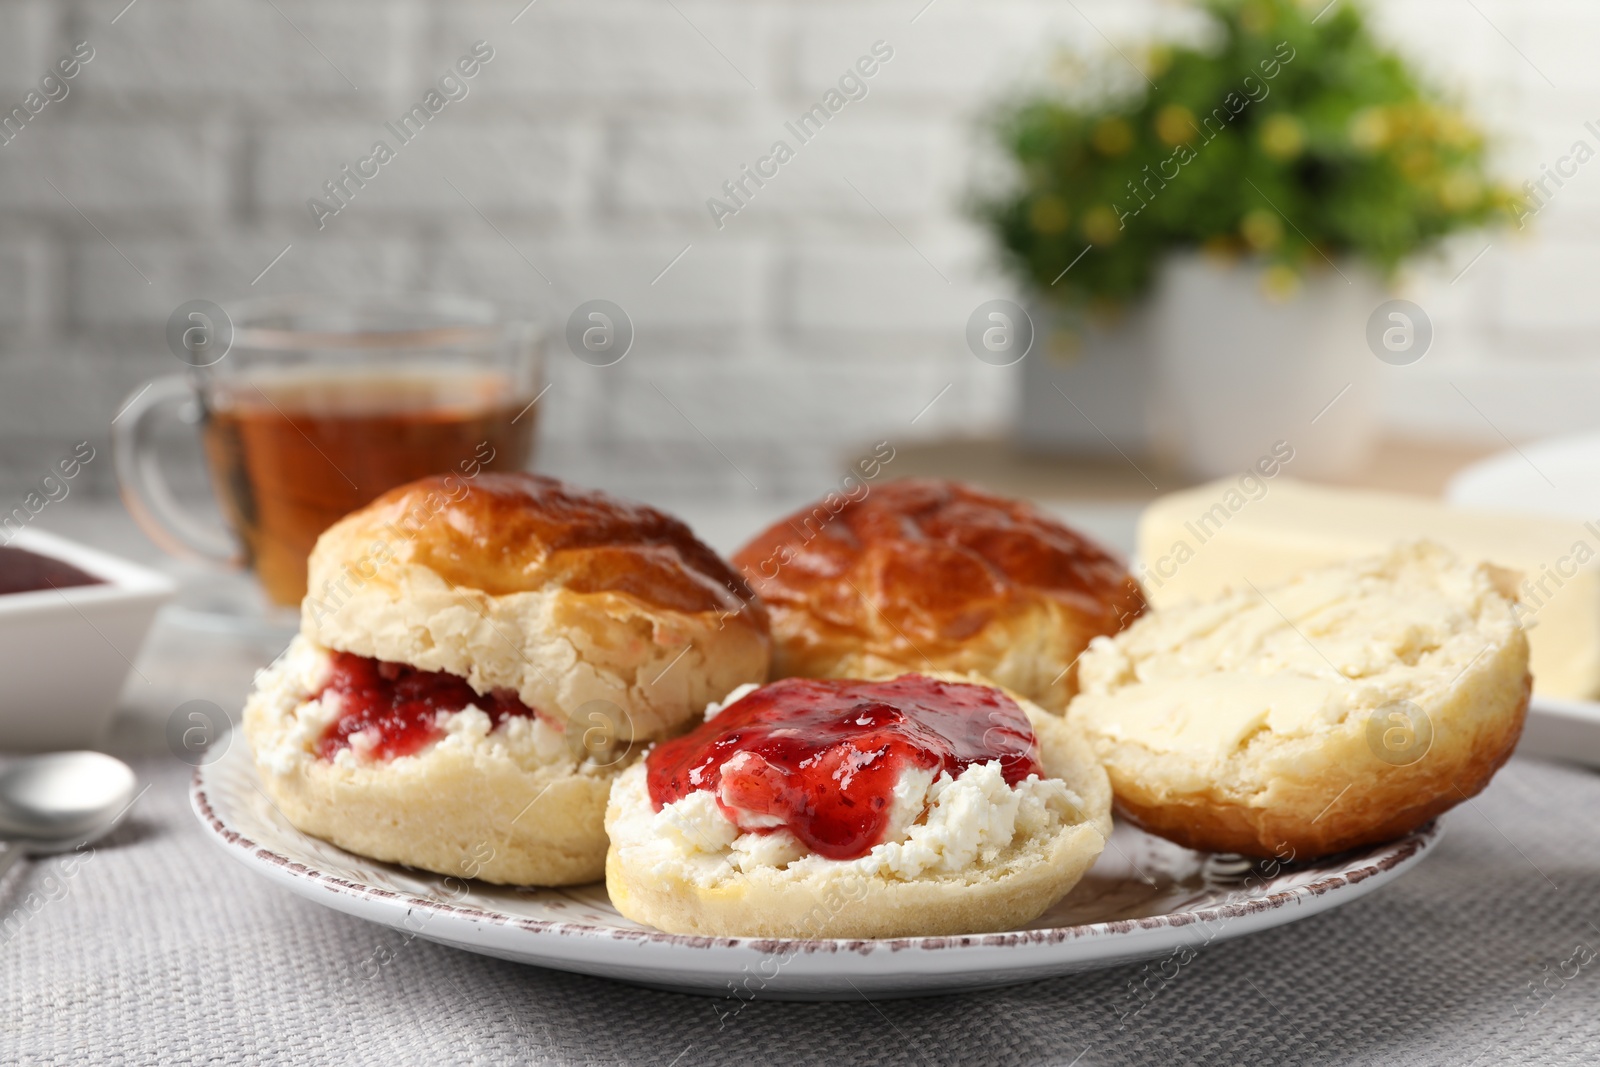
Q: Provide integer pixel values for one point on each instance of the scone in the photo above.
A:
(1343, 708)
(843, 808)
(478, 660)
(927, 575)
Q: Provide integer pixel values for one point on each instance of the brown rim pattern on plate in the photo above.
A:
(1392, 855)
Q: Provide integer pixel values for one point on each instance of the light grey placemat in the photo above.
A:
(160, 949)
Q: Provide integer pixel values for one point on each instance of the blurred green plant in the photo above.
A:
(1282, 139)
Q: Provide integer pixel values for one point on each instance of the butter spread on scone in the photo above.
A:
(479, 660)
(842, 808)
(1344, 707)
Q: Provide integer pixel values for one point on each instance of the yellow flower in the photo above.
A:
(1455, 131)
(1100, 225)
(1256, 18)
(1282, 136)
(1404, 119)
(1280, 282)
(1261, 229)
(1112, 136)
(1175, 124)
(1159, 59)
(1502, 199)
(1460, 190)
(1370, 129)
(1049, 215)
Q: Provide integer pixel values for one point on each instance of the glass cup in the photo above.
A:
(310, 407)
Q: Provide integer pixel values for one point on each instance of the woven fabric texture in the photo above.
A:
(158, 948)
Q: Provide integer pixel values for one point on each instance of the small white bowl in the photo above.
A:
(65, 653)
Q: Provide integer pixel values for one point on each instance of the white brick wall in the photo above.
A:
(509, 172)
(805, 326)
(108, 296)
(615, 57)
(28, 29)
(186, 52)
(28, 266)
(124, 175)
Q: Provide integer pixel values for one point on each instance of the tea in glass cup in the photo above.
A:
(318, 406)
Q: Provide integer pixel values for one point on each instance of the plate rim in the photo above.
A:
(1564, 707)
(1392, 856)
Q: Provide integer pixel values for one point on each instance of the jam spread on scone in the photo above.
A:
(821, 757)
(401, 704)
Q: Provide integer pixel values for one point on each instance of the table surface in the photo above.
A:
(1397, 464)
(157, 948)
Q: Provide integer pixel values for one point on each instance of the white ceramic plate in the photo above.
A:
(1566, 730)
(1144, 899)
(1561, 477)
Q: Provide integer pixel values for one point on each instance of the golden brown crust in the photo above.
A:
(592, 609)
(924, 574)
(1382, 804)
(1432, 656)
(518, 532)
(563, 594)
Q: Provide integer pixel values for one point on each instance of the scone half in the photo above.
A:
(1343, 708)
(515, 803)
(479, 658)
(967, 853)
(564, 594)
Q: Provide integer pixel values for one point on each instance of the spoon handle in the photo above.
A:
(9, 858)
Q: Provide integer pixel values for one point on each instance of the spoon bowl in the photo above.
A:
(58, 800)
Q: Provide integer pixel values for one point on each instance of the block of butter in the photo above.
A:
(1197, 542)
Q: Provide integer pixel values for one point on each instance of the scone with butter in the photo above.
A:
(1341, 708)
(477, 662)
(814, 808)
(1199, 541)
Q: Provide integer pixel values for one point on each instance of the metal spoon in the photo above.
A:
(56, 802)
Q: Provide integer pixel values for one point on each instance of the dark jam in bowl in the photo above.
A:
(825, 754)
(401, 704)
(22, 571)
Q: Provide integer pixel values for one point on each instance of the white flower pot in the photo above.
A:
(1237, 370)
(1085, 388)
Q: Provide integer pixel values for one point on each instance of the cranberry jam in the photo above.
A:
(401, 704)
(22, 571)
(824, 755)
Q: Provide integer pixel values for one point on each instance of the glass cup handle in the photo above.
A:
(145, 489)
